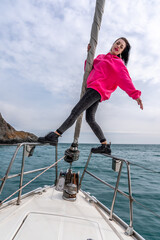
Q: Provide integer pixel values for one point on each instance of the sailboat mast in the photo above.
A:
(99, 9)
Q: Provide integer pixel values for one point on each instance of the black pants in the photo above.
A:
(88, 102)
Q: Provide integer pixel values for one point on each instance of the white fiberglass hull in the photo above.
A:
(48, 216)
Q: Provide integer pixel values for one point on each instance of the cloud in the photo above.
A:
(42, 52)
(43, 43)
(138, 21)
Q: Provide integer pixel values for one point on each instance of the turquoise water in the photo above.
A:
(145, 184)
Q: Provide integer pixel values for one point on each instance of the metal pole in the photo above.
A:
(130, 195)
(56, 167)
(107, 184)
(99, 9)
(115, 192)
(21, 178)
(85, 169)
(129, 230)
(9, 167)
(25, 173)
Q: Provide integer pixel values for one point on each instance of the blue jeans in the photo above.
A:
(88, 102)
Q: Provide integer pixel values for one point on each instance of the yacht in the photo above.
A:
(63, 211)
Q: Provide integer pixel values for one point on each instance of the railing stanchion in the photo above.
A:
(9, 168)
(21, 178)
(28, 148)
(56, 167)
(129, 230)
(115, 191)
(85, 169)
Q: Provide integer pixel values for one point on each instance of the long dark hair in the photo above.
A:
(126, 52)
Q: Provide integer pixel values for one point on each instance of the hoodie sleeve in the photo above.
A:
(126, 84)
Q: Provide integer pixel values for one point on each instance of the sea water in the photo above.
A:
(145, 179)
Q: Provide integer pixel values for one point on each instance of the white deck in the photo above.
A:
(47, 216)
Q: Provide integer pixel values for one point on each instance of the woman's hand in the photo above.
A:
(139, 101)
(88, 47)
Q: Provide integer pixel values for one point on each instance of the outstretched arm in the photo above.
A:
(126, 84)
(139, 101)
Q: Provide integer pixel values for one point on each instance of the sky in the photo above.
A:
(43, 46)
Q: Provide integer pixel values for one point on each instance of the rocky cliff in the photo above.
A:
(9, 135)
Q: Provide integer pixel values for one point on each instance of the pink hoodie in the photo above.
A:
(107, 74)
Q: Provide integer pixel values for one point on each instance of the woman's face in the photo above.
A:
(118, 47)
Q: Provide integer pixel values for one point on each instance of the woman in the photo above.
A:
(109, 72)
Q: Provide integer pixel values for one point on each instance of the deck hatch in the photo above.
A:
(49, 226)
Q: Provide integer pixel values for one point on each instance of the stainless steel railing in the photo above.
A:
(129, 230)
(28, 149)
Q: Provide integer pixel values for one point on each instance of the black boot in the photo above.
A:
(104, 148)
(51, 138)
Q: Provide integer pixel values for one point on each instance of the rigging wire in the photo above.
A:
(131, 163)
(148, 169)
(148, 209)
